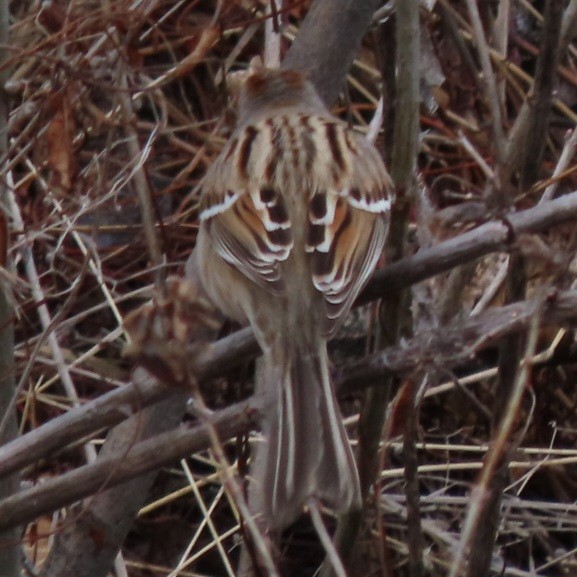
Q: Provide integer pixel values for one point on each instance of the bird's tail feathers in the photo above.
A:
(306, 451)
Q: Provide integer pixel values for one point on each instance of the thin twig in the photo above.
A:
(47, 321)
(500, 448)
(414, 525)
(273, 34)
(332, 555)
(569, 25)
(141, 185)
(491, 92)
(10, 562)
(233, 486)
(563, 163)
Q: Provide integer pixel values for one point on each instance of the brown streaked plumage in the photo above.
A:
(294, 215)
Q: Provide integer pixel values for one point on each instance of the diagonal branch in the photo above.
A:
(494, 236)
(455, 345)
(220, 357)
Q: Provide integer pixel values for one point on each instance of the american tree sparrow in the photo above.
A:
(294, 214)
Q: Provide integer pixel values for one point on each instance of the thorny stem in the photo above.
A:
(230, 482)
(501, 448)
(9, 540)
(395, 312)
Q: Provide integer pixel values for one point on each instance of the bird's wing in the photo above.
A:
(347, 230)
(249, 226)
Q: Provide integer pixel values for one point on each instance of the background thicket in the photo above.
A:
(110, 114)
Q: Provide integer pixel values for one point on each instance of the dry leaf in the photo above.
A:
(60, 137)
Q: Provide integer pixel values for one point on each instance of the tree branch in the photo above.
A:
(328, 41)
(494, 236)
(219, 358)
(454, 345)
(395, 311)
(9, 541)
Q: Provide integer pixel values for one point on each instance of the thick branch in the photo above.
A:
(542, 94)
(395, 312)
(109, 472)
(451, 347)
(491, 237)
(112, 408)
(111, 513)
(218, 358)
(9, 541)
(328, 42)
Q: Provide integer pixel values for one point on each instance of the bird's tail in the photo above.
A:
(306, 451)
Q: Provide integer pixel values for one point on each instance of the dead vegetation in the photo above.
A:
(116, 110)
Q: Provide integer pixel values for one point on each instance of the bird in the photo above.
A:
(293, 217)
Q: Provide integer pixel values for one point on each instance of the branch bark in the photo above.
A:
(394, 314)
(219, 358)
(328, 41)
(494, 236)
(450, 347)
(9, 540)
(512, 348)
(107, 472)
(111, 513)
